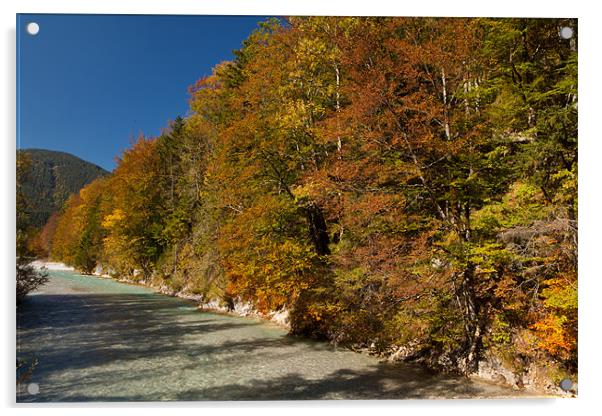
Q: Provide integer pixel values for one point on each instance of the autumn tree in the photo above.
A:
(134, 222)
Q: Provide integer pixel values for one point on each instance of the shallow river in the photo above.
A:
(99, 340)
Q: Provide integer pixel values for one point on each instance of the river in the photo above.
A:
(96, 339)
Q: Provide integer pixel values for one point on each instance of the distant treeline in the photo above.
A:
(390, 181)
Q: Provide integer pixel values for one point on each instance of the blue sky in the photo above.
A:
(87, 84)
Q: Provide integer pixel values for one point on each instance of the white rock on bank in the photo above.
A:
(190, 296)
(280, 317)
(493, 369)
(243, 309)
(100, 271)
(213, 305)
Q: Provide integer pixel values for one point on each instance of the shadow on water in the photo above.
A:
(377, 382)
(141, 346)
(380, 381)
(95, 329)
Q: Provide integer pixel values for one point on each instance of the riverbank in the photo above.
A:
(490, 370)
(50, 265)
(242, 309)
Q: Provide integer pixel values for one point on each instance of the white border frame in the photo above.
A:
(590, 191)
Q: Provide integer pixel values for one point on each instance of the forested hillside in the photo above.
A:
(51, 178)
(399, 183)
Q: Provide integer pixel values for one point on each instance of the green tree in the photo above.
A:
(27, 277)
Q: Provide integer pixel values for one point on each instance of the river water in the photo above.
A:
(96, 339)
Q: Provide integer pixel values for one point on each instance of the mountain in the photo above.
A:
(52, 177)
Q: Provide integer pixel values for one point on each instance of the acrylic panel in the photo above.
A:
(295, 208)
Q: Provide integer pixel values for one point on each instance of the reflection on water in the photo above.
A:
(97, 339)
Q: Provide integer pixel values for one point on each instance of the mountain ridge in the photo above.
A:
(53, 176)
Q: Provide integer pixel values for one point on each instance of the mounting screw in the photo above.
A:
(33, 28)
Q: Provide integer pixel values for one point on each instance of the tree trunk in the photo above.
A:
(445, 106)
(317, 229)
(469, 307)
(338, 106)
